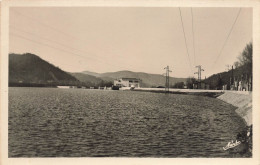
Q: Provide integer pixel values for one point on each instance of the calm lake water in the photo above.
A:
(50, 122)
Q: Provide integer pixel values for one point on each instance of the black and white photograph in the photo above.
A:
(86, 81)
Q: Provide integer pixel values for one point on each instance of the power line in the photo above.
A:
(19, 36)
(41, 37)
(185, 40)
(50, 27)
(226, 38)
(66, 46)
(193, 38)
(63, 50)
(62, 32)
(46, 25)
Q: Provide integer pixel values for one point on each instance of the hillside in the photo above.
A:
(92, 81)
(30, 70)
(87, 79)
(148, 80)
(217, 80)
(26, 69)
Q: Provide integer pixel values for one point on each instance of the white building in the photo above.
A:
(127, 82)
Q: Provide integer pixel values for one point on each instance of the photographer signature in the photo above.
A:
(231, 145)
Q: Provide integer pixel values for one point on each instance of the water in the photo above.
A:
(49, 122)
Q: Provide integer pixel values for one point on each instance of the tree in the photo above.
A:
(236, 64)
(105, 83)
(245, 58)
(190, 81)
(219, 82)
(179, 85)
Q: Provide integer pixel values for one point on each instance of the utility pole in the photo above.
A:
(232, 76)
(199, 75)
(167, 81)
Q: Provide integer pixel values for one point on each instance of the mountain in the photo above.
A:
(30, 69)
(148, 80)
(99, 75)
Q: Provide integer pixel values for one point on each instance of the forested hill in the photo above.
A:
(30, 69)
(242, 71)
(217, 80)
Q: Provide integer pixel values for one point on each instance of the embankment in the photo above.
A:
(242, 100)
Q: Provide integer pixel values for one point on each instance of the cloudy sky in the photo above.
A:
(108, 39)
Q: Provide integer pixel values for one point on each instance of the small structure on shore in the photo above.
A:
(127, 82)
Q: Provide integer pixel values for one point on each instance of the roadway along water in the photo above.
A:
(49, 122)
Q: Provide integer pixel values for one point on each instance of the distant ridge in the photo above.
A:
(30, 69)
(91, 73)
(148, 80)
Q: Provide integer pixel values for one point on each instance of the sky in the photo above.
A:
(139, 39)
